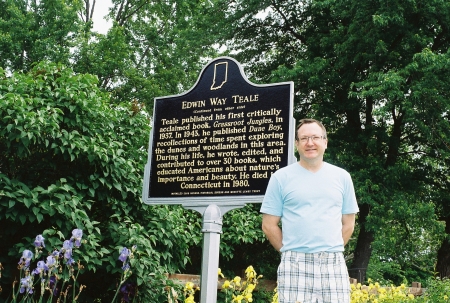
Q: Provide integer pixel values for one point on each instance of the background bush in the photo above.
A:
(69, 159)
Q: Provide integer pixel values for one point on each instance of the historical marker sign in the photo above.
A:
(220, 141)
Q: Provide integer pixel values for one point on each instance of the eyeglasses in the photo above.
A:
(314, 139)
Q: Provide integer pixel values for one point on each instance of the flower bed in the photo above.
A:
(241, 290)
(55, 276)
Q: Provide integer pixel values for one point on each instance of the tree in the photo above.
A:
(153, 48)
(377, 74)
(33, 31)
(69, 159)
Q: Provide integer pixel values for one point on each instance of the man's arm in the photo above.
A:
(348, 225)
(272, 230)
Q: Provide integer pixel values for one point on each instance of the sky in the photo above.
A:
(100, 11)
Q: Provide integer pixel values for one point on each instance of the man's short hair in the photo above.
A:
(309, 121)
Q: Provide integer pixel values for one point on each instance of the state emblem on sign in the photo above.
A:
(220, 75)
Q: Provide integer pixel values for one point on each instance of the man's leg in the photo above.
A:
(296, 278)
(334, 279)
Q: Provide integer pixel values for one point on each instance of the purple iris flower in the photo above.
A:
(128, 291)
(51, 261)
(27, 255)
(68, 254)
(126, 267)
(70, 261)
(39, 241)
(40, 269)
(52, 281)
(52, 284)
(26, 285)
(67, 245)
(124, 254)
(77, 234)
(67, 249)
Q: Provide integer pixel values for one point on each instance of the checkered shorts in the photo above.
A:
(313, 278)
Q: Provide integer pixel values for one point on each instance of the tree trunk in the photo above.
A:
(363, 248)
(443, 256)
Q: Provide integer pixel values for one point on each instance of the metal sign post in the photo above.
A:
(214, 148)
(212, 229)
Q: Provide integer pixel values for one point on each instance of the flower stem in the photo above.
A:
(117, 291)
(122, 280)
(74, 284)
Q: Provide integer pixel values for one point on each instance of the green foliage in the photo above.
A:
(242, 225)
(438, 291)
(153, 48)
(407, 251)
(34, 31)
(69, 160)
(243, 242)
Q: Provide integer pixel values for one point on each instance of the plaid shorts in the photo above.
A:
(313, 278)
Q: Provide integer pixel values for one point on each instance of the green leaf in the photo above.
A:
(28, 202)
(117, 186)
(22, 219)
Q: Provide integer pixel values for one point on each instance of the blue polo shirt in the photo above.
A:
(311, 206)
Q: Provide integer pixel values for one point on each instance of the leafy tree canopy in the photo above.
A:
(153, 48)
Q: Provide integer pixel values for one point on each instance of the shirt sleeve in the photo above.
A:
(350, 205)
(272, 203)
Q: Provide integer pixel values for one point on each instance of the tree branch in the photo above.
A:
(287, 26)
(121, 18)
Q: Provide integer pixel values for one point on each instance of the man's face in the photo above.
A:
(311, 149)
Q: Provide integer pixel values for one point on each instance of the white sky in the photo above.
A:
(100, 11)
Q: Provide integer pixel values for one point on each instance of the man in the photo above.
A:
(316, 204)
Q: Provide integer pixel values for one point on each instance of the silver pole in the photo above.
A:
(212, 228)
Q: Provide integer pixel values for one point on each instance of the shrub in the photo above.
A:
(70, 159)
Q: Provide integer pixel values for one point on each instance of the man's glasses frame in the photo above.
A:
(314, 139)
